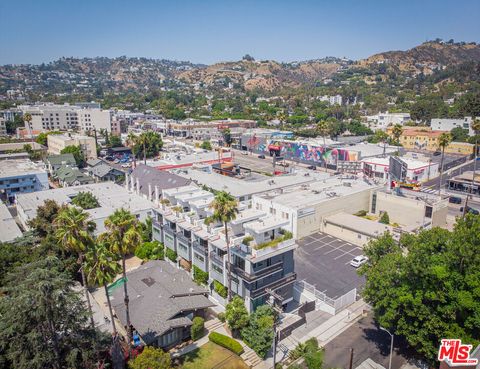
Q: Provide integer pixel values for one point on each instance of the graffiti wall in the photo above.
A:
(317, 154)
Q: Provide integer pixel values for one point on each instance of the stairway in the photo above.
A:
(250, 357)
(213, 324)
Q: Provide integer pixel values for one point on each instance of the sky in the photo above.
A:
(208, 31)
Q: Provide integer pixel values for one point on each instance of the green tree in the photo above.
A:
(74, 233)
(43, 322)
(206, 145)
(397, 131)
(77, 154)
(151, 358)
(124, 237)
(148, 144)
(258, 334)
(459, 134)
(27, 118)
(225, 209)
(236, 313)
(101, 269)
(153, 250)
(11, 126)
(227, 137)
(427, 287)
(443, 141)
(43, 223)
(42, 137)
(131, 142)
(86, 200)
(115, 141)
(384, 219)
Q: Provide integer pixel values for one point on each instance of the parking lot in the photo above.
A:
(324, 261)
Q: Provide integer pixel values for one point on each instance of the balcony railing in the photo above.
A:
(169, 230)
(199, 248)
(250, 277)
(157, 224)
(182, 237)
(289, 278)
(216, 258)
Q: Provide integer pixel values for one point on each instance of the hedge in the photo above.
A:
(197, 328)
(220, 289)
(199, 275)
(227, 342)
(172, 255)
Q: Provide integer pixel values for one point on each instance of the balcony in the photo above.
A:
(258, 274)
(157, 224)
(182, 237)
(169, 231)
(289, 278)
(199, 248)
(216, 258)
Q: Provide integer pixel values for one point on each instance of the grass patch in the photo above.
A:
(210, 356)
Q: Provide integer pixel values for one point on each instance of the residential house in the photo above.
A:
(54, 162)
(71, 176)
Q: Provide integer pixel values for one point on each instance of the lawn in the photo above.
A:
(211, 356)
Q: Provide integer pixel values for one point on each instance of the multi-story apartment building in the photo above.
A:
(49, 117)
(381, 121)
(21, 176)
(261, 251)
(3, 127)
(56, 143)
(449, 124)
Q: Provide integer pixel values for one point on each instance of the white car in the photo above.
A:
(126, 165)
(358, 261)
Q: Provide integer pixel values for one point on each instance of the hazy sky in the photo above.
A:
(35, 31)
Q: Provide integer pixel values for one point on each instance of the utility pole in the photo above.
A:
(273, 300)
(350, 364)
(391, 347)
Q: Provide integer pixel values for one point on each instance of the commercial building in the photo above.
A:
(381, 121)
(53, 117)
(464, 182)
(417, 171)
(189, 157)
(8, 226)
(110, 197)
(261, 250)
(449, 124)
(163, 302)
(21, 176)
(56, 143)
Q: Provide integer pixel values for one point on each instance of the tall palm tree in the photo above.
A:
(124, 237)
(143, 141)
(323, 127)
(225, 209)
(443, 141)
(74, 232)
(27, 117)
(476, 130)
(131, 142)
(397, 131)
(102, 268)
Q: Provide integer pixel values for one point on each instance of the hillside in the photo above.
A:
(425, 58)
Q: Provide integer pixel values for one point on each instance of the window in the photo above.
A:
(374, 203)
(217, 268)
(199, 257)
(428, 211)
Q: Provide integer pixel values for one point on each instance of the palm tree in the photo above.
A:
(476, 130)
(74, 233)
(443, 141)
(397, 131)
(323, 127)
(225, 209)
(131, 142)
(143, 141)
(124, 237)
(102, 268)
(27, 117)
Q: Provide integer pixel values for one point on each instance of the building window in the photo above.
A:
(374, 203)
(428, 212)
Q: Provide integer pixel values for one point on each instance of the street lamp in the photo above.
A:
(391, 347)
(272, 301)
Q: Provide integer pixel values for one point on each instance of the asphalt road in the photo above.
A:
(367, 341)
(449, 174)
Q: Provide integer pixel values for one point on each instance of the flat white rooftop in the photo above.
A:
(317, 192)
(9, 229)
(109, 195)
(19, 167)
(411, 163)
(243, 187)
(366, 150)
(358, 224)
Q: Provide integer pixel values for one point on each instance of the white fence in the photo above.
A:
(323, 302)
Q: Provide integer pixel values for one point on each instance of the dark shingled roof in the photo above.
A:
(164, 180)
(160, 297)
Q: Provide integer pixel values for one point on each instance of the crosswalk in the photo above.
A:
(429, 190)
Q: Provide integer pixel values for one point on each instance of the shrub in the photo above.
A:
(258, 334)
(361, 213)
(226, 342)
(236, 313)
(172, 255)
(150, 251)
(151, 357)
(385, 219)
(314, 359)
(199, 275)
(220, 289)
(221, 317)
(197, 329)
(246, 241)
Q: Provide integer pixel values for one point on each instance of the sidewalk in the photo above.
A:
(213, 325)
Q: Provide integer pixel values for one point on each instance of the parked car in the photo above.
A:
(455, 200)
(312, 167)
(126, 165)
(358, 261)
(109, 158)
(436, 153)
(244, 152)
(470, 210)
(261, 156)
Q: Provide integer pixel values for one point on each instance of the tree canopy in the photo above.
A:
(151, 358)
(427, 286)
(86, 200)
(77, 154)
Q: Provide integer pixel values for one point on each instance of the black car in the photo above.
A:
(109, 158)
(470, 210)
(261, 156)
(436, 153)
(312, 167)
(455, 200)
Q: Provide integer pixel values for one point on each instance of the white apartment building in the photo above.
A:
(3, 127)
(449, 124)
(381, 121)
(332, 100)
(56, 143)
(50, 117)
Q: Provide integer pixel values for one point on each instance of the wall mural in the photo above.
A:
(317, 154)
